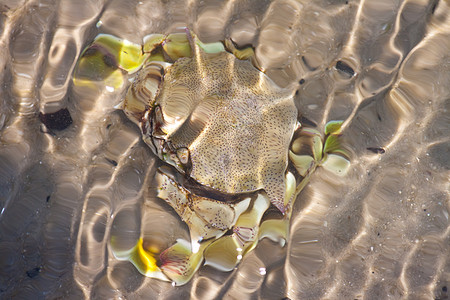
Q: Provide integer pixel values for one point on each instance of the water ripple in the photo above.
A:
(66, 188)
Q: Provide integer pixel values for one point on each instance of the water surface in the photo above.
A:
(381, 232)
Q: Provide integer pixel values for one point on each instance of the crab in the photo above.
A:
(230, 139)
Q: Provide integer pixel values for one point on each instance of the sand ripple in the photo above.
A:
(382, 232)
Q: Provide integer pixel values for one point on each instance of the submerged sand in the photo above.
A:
(381, 232)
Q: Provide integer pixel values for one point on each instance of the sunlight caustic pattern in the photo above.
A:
(74, 171)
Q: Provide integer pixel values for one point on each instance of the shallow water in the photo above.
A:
(381, 232)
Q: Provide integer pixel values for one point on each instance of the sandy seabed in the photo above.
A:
(381, 232)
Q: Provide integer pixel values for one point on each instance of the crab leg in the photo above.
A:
(144, 260)
(106, 60)
(326, 154)
(226, 252)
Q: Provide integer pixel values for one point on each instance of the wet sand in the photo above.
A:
(381, 232)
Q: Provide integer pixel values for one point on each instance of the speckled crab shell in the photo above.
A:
(226, 128)
(217, 119)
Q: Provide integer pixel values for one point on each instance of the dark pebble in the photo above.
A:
(58, 120)
(112, 161)
(342, 66)
(33, 272)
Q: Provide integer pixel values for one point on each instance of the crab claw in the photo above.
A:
(181, 261)
(206, 218)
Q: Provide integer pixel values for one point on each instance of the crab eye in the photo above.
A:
(143, 92)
